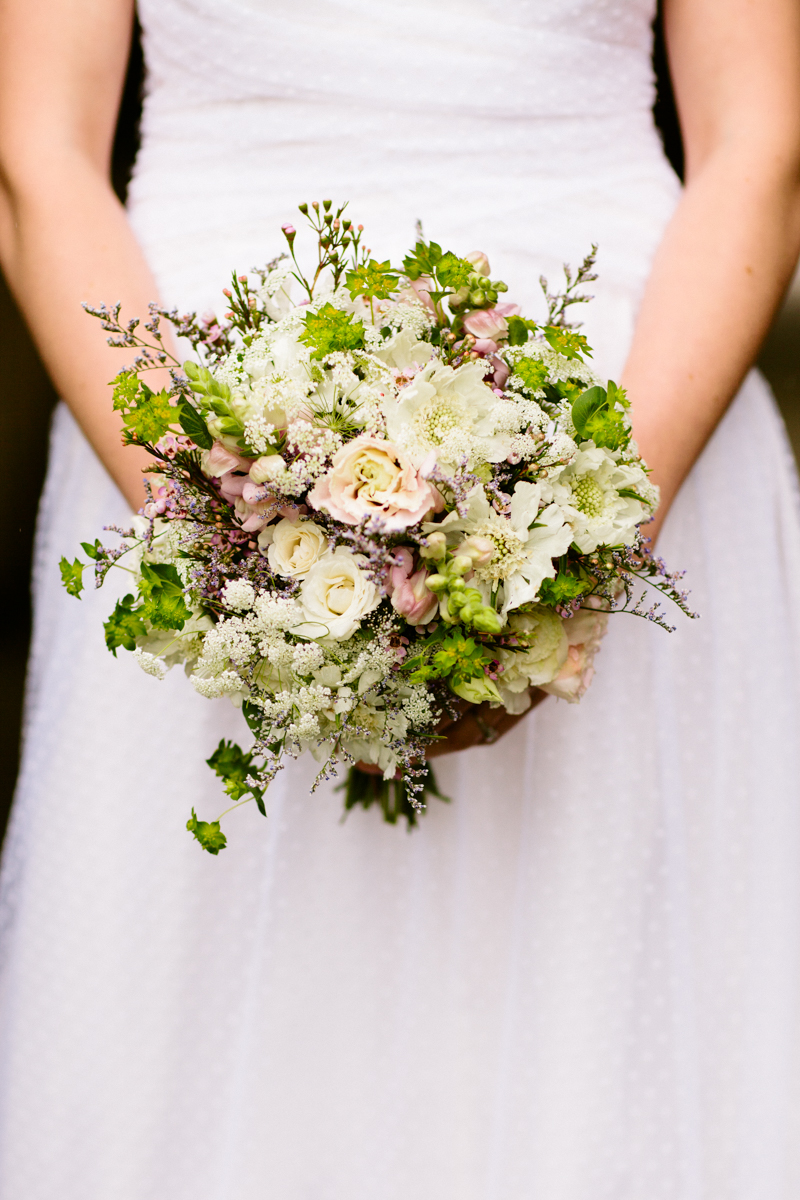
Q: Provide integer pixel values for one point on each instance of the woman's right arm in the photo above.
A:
(64, 236)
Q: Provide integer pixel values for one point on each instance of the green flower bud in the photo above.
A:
(461, 564)
(436, 547)
(436, 583)
(477, 298)
(477, 691)
(487, 621)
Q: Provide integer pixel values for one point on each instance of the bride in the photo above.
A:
(559, 986)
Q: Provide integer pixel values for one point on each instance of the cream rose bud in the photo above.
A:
(267, 468)
(295, 546)
(336, 594)
(370, 477)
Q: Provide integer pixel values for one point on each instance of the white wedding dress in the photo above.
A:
(580, 980)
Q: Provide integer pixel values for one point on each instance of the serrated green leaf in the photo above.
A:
(453, 271)
(208, 834)
(519, 330)
(163, 603)
(422, 260)
(330, 330)
(72, 575)
(532, 372)
(124, 626)
(194, 426)
(372, 280)
(567, 342)
(233, 766)
(152, 418)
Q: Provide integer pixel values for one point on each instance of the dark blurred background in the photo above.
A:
(28, 399)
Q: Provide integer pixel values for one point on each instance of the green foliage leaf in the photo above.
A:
(161, 590)
(124, 626)
(561, 590)
(453, 271)
(208, 834)
(147, 415)
(532, 372)
(330, 329)
(233, 766)
(372, 280)
(567, 342)
(194, 426)
(93, 550)
(422, 260)
(519, 330)
(459, 659)
(72, 575)
(595, 417)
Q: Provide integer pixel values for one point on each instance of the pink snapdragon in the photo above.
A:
(409, 593)
(490, 323)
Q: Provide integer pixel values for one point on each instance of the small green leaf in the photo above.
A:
(208, 834)
(330, 330)
(453, 271)
(422, 260)
(566, 342)
(93, 551)
(519, 330)
(561, 590)
(194, 426)
(532, 372)
(592, 401)
(629, 494)
(124, 626)
(233, 766)
(161, 590)
(72, 575)
(372, 280)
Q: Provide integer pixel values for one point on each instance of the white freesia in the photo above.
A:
(525, 542)
(588, 493)
(294, 547)
(449, 411)
(336, 594)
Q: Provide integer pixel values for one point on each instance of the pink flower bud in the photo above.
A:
(480, 262)
(412, 599)
(479, 549)
(490, 322)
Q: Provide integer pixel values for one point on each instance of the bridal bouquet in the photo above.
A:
(377, 493)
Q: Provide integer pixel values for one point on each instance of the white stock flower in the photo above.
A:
(336, 594)
(588, 493)
(525, 542)
(293, 547)
(449, 411)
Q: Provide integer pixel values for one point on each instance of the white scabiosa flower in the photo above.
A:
(588, 492)
(449, 411)
(525, 542)
(336, 594)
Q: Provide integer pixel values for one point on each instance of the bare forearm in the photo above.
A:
(718, 276)
(62, 244)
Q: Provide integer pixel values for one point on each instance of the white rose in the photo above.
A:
(295, 547)
(336, 593)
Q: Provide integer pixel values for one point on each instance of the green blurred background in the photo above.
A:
(27, 400)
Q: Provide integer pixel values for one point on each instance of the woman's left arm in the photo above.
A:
(731, 246)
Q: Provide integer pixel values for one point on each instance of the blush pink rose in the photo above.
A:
(370, 477)
(490, 324)
(219, 460)
(410, 597)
